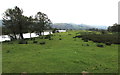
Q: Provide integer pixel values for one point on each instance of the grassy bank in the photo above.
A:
(63, 54)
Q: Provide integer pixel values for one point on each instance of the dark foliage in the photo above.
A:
(60, 39)
(42, 43)
(78, 36)
(108, 43)
(69, 34)
(50, 38)
(47, 36)
(32, 38)
(85, 40)
(7, 51)
(100, 45)
(114, 28)
(22, 42)
(35, 41)
(102, 38)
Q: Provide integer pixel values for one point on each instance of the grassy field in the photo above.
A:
(68, 55)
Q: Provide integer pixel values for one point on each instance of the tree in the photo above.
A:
(30, 25)
(42, 23)
(15, 22)
(114, 28)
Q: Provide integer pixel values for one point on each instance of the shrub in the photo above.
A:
(85, 40)
(87, 44)
(79, 36)
(32, 38)
(7, 51)
(108, 43)
(100, 45)
(42, 43)
(60, 39)
(47, 36)
(74, 37)
(69, 34)
(35, 41)
(102, 38)
(22, 42)
(50, 38)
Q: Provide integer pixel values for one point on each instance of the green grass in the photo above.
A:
(59, 56)
(0, 58)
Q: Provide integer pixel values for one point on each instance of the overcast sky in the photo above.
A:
(91, 12)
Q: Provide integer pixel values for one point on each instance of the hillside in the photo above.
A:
(71, 26)
(76, 26)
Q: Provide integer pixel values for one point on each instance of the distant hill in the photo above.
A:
(71, 26)
(76, 26)
(101, 27)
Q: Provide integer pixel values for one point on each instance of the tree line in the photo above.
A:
(114, 28)
(15, 23)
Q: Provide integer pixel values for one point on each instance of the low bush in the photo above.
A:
(32, 38)
(60, 39)
(102, 38)
(69, 34)
(108, 43)
(42, 43)
(47, 36)
(22, 42)
(35, 41)
(98, 45)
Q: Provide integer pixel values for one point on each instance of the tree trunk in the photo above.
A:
(30, 34)
(43, 35)
(21, 36)
(50, 32)
(40, 33)
(15, 37)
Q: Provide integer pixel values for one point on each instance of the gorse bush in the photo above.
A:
(108, 39)
(22, 42)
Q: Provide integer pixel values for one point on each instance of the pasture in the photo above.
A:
(60, 54)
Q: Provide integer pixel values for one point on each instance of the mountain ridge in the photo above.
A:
(76, 26)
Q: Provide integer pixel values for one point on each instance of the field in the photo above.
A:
(62, 54)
